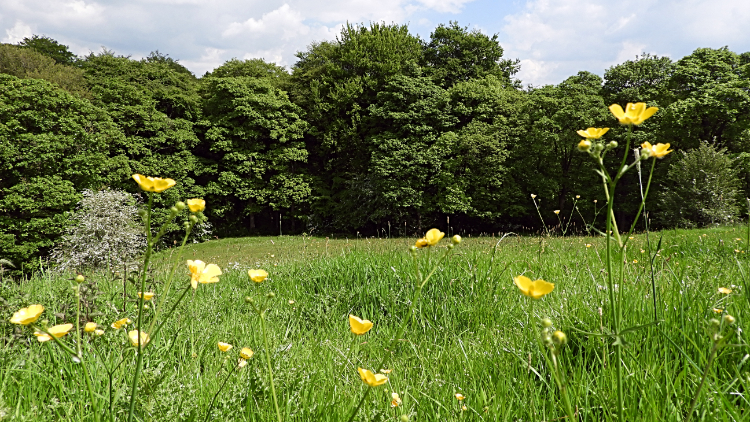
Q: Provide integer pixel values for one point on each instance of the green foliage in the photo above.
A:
(455, 54)
(255, 153)
(155, 103)
(49, 47)
(106, 232)
(52, 146)
(28, 63)
(712, 96)
(702, 189)
(253, 68)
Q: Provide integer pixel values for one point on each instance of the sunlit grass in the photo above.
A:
(471, 334)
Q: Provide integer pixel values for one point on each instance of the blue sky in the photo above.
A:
(553, 39)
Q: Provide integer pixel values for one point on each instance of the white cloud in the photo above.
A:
(211, 59)
(17, 33)
(284, 21)
(444, 6)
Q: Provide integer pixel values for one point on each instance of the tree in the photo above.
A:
(254, 68)
(645, 79)
(49, 47)
(52, 146)
(27, 63)
(255, 153)
(455, 54)
(703, 188)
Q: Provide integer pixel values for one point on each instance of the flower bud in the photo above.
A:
(193, 219)
(612, 145)
(271, 295)
(79, 279)
(546, 322)
(728, 319)
(142, 213)
(450, 247)
(186, 225)
(584, 145)
(180, 205)
(174, 210)
(715, 323)
(645, 153)
(412, 249)
(559, 338)
(404, 418)
(456, 239)
(248, 299)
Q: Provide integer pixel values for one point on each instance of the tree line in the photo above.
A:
(377, 130)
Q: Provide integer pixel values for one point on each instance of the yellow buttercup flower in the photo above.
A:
(202, 273)
(556, 211)
(257, 275)
(395, 400)
(359, 326)
(433, 236)
(57, 331)
(133, 336)
(26, 316)
(421, 243)
(634, 114)
(584, 145)
(246, 353)
(153, 184)
(658, 150)
(593, 133)
(146, 296)
(90, 327)
(533, 289)
(196, 205)
(460, 396)
(121, 323)
(224, 347)
(373, 380)
(725, 291)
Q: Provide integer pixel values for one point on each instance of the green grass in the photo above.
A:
(472, 333)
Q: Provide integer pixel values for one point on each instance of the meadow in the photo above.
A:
(474, 336)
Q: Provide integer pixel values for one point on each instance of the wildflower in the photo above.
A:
(421, 243)
(257, 275)
(121, 323)
(460, 396)
(359, 326)
(153, 184)
(631, 237)
(433, 236)
(90, 327)
(146, 296)
(559, 338)
(718, 311)
(463, 408)
(729, 319)
(595, 201)
(133, 336)
(373, 380)
(26, 316)
(386, 371)
(533, 289)
(659, 150)
(578, 196)
(738, 239)
(456, 239)
(224, 347)
(246, 353)
(57, 331)
(196, 205)
(99, 332)
(202, 273)
(533, 196)
(584, 145)
(634, 114)
(724, 290)
(241, 363)
(396, 400)
(556, 211)
(588, 245)
(593, 133)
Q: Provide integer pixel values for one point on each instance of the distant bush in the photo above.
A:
(704, 189)
(26, 63)
(107, 231)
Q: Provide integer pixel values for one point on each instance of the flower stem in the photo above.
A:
(268, 362)
(689, 414)
(213, 401)
(139, 358)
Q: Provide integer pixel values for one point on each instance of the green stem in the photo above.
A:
(614, 307)
(268, 362)
(139, 358)
(170, 279)
(169, 314)
(561, 386)
(213, 401)
(714, 349)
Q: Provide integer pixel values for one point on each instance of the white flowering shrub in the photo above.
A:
(106, 230)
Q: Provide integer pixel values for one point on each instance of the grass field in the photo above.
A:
(473, 333)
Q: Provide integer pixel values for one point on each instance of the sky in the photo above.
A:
(552, 39)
